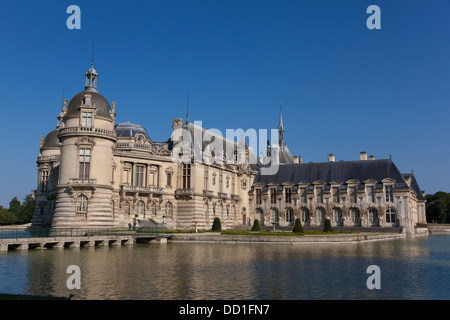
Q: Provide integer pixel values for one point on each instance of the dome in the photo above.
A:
(130, 130)
(51, 141)
(103, 107)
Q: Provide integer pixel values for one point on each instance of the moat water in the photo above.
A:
(409, 269)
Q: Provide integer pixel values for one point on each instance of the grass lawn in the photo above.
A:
(283, 233)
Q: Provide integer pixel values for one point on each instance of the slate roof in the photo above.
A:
(130, 130)
(51, 141)
(414, 185)
(339, 171)
(99, 101)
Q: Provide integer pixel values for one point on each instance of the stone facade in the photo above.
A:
(93, 172)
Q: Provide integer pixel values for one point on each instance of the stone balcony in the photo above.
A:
(88, 130)
(82, 181)
(142, 190)
(222, 195)
(184, 193)
(235, 197)
(208, 193)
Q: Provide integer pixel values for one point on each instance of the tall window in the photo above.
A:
(354, 215)
(273, 196)
(85, 160)
(337, 216)
(141, 208)
(303, 195)
(320, 216)
(153, 208)
(335, 191)
(82, 205)
(127, 208)
(390, 215)
(139, 176)
(371, 194)
(373, 217)
(273, 216)
(389, 193)
(186, 175)
(289, 215)
(319, 195)
(258, 196)
(169, 178)
(305, 216)
(45, 175)
(288, 195)
(352, 194)
(169, 209)
(86, 119)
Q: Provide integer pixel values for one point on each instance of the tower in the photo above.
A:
(84, 197)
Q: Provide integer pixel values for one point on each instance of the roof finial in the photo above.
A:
(93, 49)
(187, 107)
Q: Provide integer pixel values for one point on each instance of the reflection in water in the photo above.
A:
(410, 269)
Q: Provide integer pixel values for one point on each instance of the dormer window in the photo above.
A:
(389, 190)
(140, 138)
(319, 194)
(86, 119)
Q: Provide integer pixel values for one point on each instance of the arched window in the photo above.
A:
(390, 215)
(169, 209)
(289, 215)
(153, 209)
(141, 208)
(305, 216)
(320, 216)
(82, 205)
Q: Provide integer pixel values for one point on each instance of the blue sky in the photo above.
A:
(344, 88)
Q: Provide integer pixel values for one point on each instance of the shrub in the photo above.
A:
(327, 227)
(256, 225)
(216, 225)
(298, 228)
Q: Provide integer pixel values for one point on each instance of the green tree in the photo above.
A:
(216, 225)
(6, 217)
(14, 205)
(327, 227)
(256, 225)
(438, 207)
(26, 209)
(298, 228)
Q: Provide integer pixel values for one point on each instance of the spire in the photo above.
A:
(281, 130)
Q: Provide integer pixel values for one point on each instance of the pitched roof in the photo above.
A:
(329, 171)
(414, 185)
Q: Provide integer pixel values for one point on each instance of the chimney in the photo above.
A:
(331, 158)
(296, 160)
(371, 157)
(363, 155)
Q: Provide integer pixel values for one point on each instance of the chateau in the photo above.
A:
(95, 173)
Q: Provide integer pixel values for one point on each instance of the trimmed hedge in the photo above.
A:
(327, 227)
(298, 228)
(256, 226)
(216, 225)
